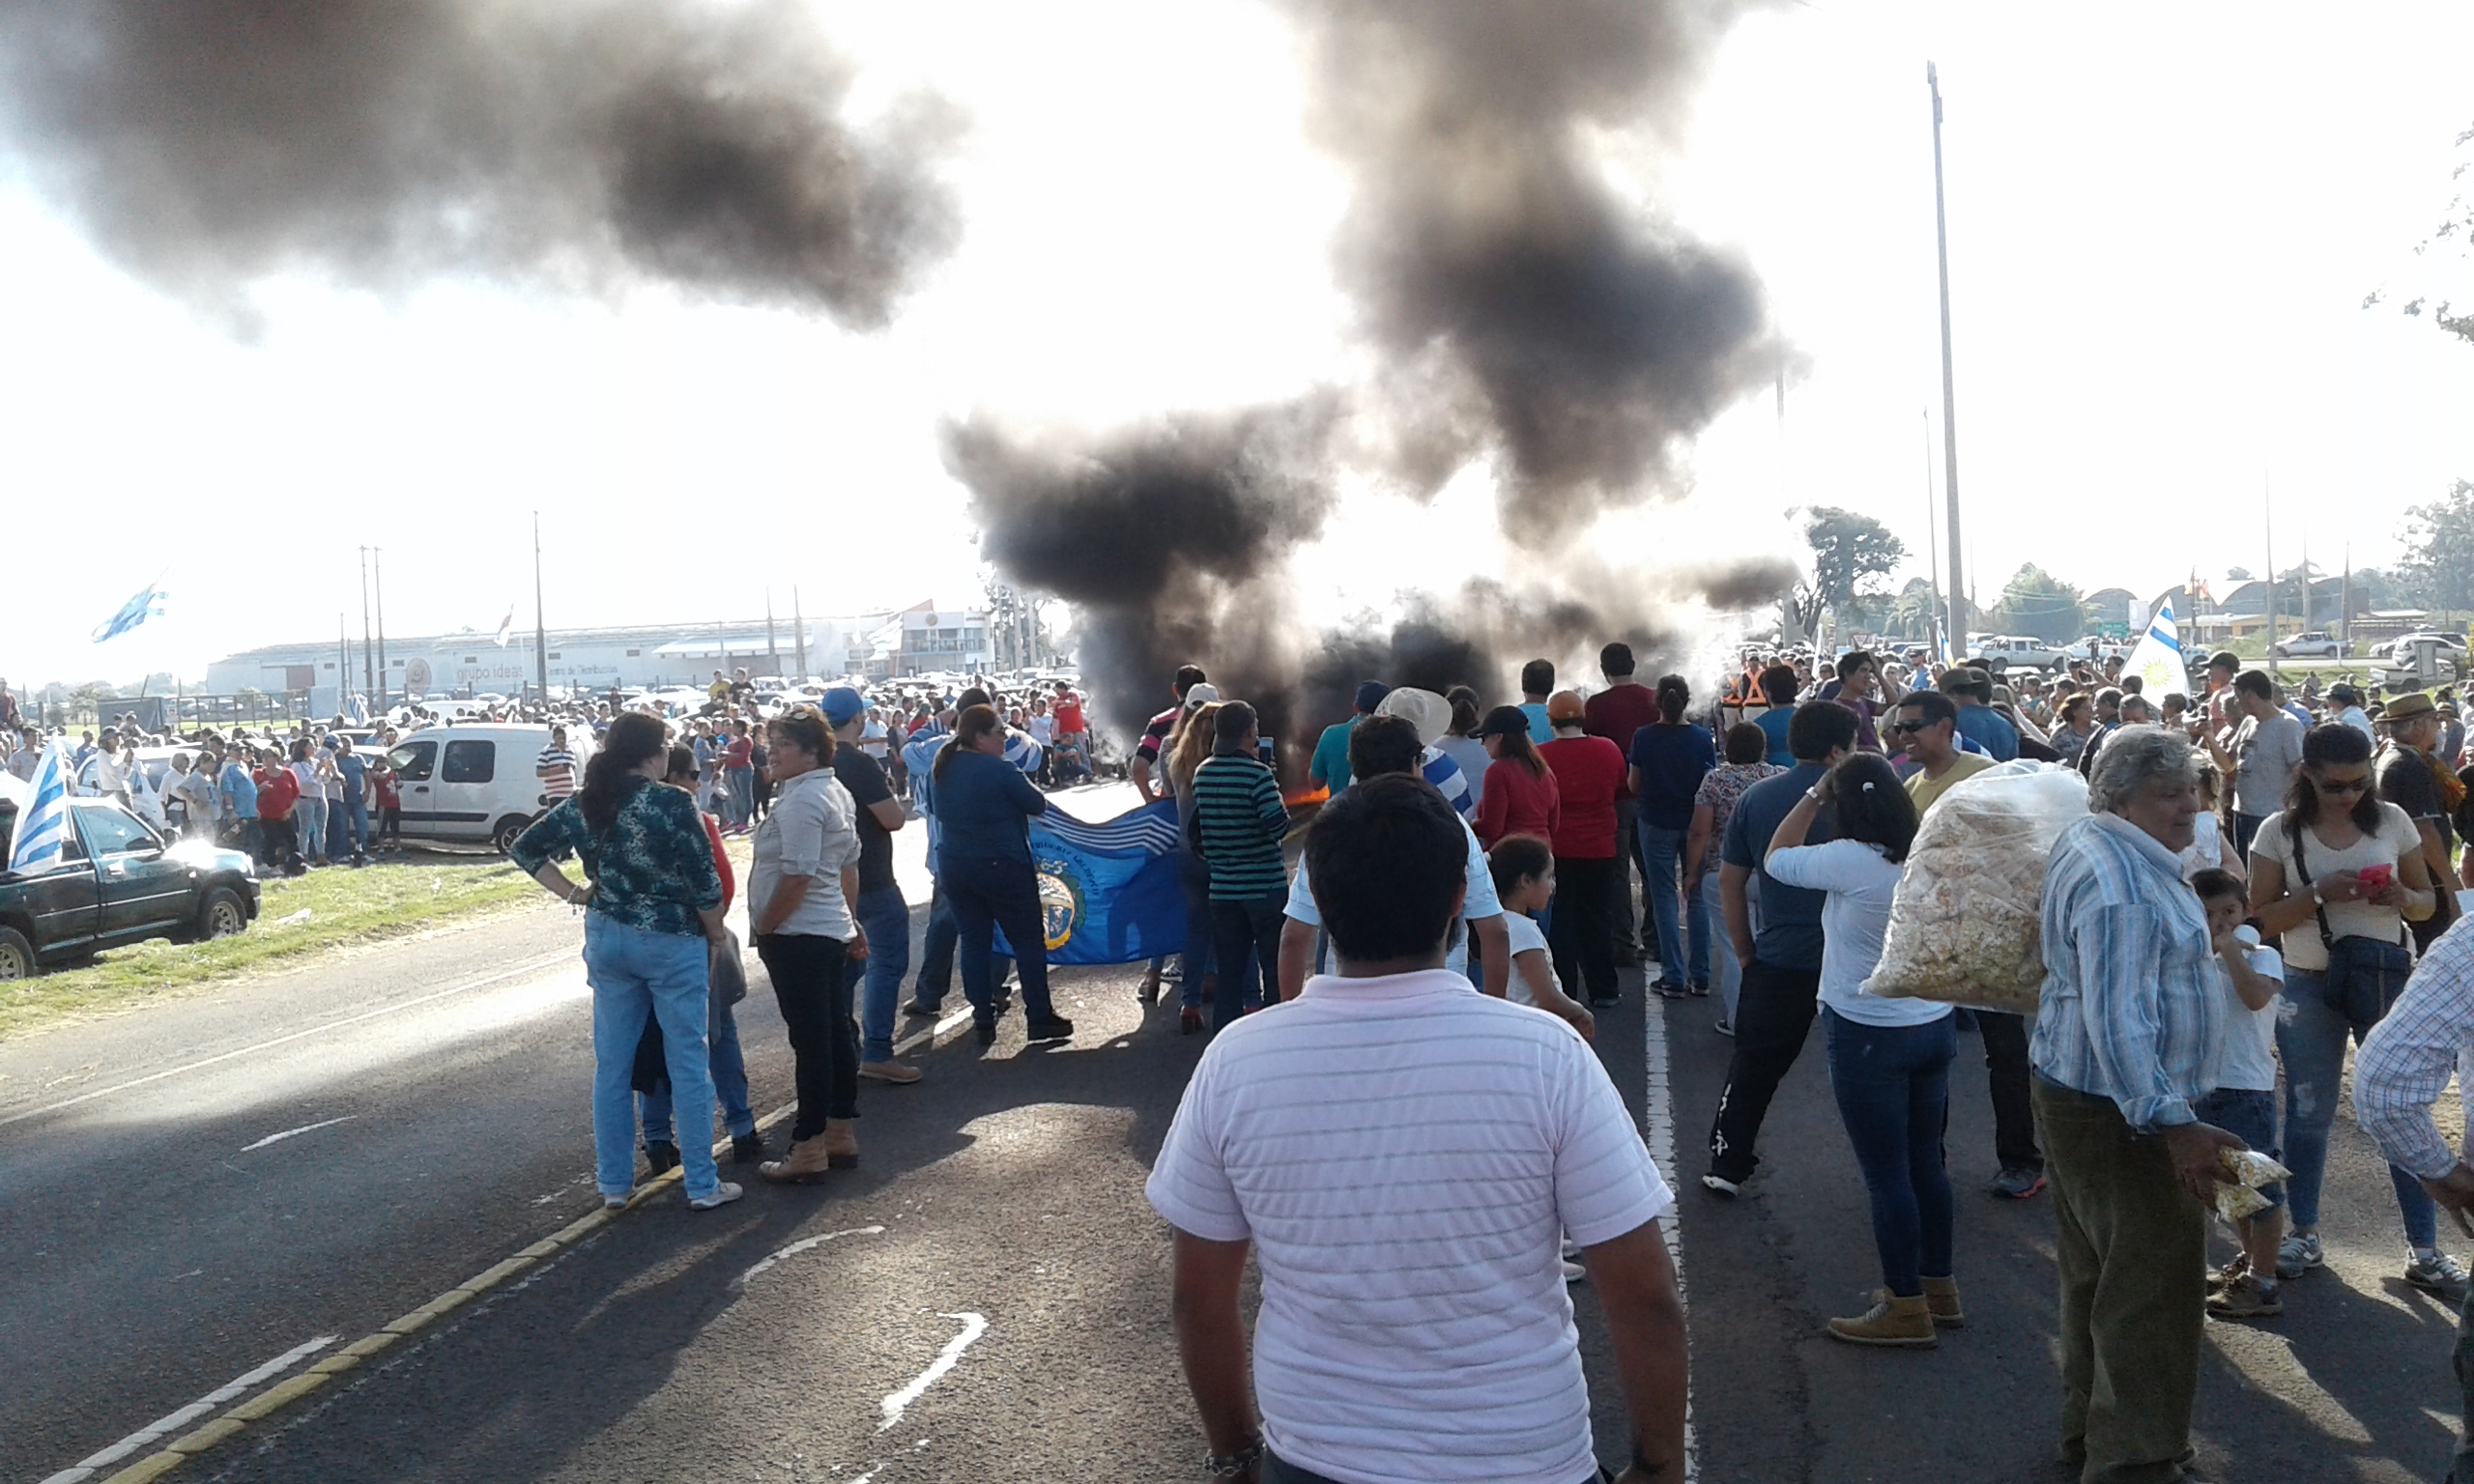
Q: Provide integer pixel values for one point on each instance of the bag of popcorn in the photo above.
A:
(1965, 924)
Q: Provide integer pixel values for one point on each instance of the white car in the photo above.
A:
(2403, 647)
(469, 784)
(2312, 645)
(2003, 653)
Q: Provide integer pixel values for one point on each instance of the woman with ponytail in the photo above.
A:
(983, 805)
(652, 903)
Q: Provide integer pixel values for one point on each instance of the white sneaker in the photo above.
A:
(1573, 1272)
(614, 1202)
(723, 1194)
(1720, 1184)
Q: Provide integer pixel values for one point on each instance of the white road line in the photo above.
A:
(1657, 1117)
(802, 1245)
(88, 1467)
(291, 1133)
(973, 1327)
(530, 966)
(918, 1038)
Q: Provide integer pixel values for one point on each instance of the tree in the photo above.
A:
(2437, 570)
(2037, 603)
(1852, 554)
(2449, 254)
(1914, 610)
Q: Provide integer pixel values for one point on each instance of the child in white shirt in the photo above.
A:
(2244, 1103)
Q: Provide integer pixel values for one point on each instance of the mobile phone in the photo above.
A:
(2377, 876)
(1264, 749)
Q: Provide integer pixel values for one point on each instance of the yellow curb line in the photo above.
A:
(277, 1397)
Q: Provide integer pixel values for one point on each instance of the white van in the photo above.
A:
(471, 783)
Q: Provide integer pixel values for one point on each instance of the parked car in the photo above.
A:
(2004, 652)
(2096, 649)
(117, 882)
(2400, 648)
(471, 783)
(2312, 645)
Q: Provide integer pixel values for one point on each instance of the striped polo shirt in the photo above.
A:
(1239, 823)
(1406, 1156)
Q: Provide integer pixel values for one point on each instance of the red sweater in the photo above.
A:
(1517, 802)
(1587, 773)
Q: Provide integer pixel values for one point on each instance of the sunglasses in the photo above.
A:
(2342, 784)
(1902, 728)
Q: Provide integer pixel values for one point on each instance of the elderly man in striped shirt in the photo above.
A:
(2126, 1041)
(2399, 1072)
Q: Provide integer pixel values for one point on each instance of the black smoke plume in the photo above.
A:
(583, 146)
(1521, 311)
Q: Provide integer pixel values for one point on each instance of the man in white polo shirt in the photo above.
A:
(1405, 1155)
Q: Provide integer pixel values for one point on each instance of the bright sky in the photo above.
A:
(2163, 226)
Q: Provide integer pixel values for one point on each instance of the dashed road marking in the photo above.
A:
(1657, 1118)
(893, 1406)
(86, 1467)
(294, 1134)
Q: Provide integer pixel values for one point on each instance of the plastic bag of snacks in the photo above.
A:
(2238, 1190)
(1967, 923)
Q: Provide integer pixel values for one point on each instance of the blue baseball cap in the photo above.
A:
(841, 703)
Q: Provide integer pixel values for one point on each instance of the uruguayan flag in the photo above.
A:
(2157, 658)
(43, 821)
(1109, 891)
(148, 604)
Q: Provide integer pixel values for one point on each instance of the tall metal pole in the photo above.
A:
(799, 633)
(369, 674)
(2268, 544)
(541, 630)
(378, 590)
(1932, 542)
(772, 650)
(344, 661)
(1959, 604)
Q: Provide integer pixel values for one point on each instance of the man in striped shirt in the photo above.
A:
(1239, 823)
(2126, 1039)
(1403, 1157)
(556, 767)
(2399, 1072)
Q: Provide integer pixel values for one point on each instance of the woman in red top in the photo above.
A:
(1588, 772)
(279, 790)
(1518, 796)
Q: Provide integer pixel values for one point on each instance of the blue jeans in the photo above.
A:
(1661, 853)
(1246, 939)
(988, 892)
(309, 822)
(1893, 1088)
(937, 953)
(730, 1082)
(633, 974)
(1726, 975)
(2311, 1042)
(740, 786)
(353, 813)
(1202, 950)
(885, 918)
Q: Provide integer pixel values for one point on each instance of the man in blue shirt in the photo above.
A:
(1971, 689)
(1536, 683)
(1782, 964)
(1330, 764)
(1778, 687)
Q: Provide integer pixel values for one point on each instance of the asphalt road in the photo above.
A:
(189, 1194)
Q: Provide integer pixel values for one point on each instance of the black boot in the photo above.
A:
(661, 1156)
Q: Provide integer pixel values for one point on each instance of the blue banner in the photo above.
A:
(1109, 891)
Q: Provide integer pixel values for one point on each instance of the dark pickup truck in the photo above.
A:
(118, 882)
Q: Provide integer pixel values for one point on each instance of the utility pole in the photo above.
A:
(2268, 541)
(772, 650)
(1932, 545)
(1960, 607)
(540, 629)
(377, 590)
(368, 672)
(343, 663)
(799, 633)
(2345, 603)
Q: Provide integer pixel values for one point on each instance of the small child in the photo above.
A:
(1524, 870)
(2244, 1103)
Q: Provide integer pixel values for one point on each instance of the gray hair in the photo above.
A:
(2135, 758)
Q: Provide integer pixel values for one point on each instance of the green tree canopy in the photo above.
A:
(1852, 555)
(2036, 603)
(2437, 570)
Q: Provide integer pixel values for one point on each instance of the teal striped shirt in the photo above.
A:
(1239, 823)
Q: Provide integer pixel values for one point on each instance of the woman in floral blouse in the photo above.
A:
(653, 914)
(1747, 749)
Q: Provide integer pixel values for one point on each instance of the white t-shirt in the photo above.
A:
(1854, 918)
(2206, 851)
(2397, 838)
(2249, 1061)
(1406, 1156)
(1526, 935)
(1043, 729)
(1480, 904)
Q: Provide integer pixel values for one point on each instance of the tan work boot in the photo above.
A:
(805, 1165)
(840, 1143)
(1942, 1299)
(1891, 1320)
(899, 1074)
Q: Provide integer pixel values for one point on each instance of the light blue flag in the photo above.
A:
(43, 824)
(1109, 891)
(148, 604)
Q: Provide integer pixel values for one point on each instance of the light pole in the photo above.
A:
(1958, 607)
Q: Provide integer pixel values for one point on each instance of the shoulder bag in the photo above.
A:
(2365, 975)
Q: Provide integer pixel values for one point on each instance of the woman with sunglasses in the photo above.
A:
(2338, 865)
